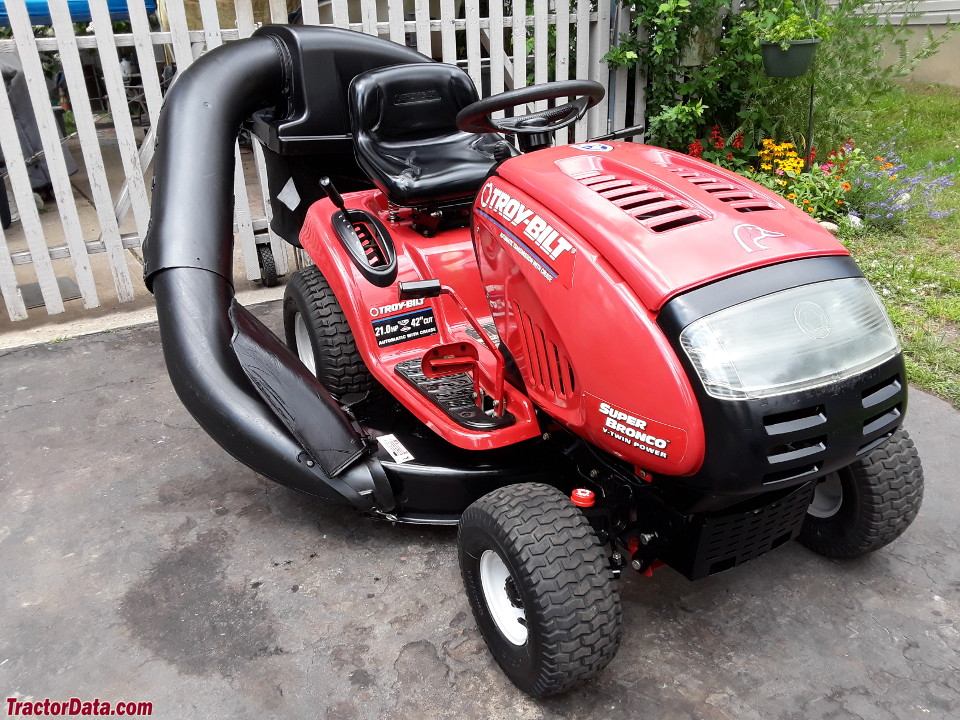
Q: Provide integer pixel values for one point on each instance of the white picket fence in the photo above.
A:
(38, 252)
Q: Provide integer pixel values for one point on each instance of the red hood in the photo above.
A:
(666, 222)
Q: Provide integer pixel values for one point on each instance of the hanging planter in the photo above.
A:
(793, 61)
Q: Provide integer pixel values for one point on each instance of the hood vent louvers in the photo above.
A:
(651, 206)
(737, 196)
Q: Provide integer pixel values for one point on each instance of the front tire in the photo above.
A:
(317, 330)
(867, 504)
(540, 587)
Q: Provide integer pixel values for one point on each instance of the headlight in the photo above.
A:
(791, 340)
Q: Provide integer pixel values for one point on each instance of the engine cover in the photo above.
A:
(579, 249)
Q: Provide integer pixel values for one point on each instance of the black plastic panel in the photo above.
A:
(753, 446)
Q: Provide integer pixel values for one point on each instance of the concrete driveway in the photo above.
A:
(139, 562)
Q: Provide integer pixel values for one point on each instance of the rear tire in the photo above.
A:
(867, 504)
(317, 330)
(540, 587)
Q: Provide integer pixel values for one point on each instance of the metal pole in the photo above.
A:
(807, 163)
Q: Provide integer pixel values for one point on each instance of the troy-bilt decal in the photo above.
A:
(748, 235)
(593, 147)
(632, 431)
(396, 307)
(515, 224)
(513, 213)
(402, 328)
(523, 250)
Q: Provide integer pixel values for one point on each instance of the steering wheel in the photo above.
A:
(476, 117)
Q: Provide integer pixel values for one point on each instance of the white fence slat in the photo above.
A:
(421, 12)
(210, 18)
(53, 152)
(397, 29)
(180, 35)
(241, 215)
(494, 35)
(245, 23)
(562, 57)
(617, 92)
(12, 297)
(583, 58)
(278, 12)
(90, 147)
(311, 12)
(473, 42)
(146, 59)
(341, 13)
(122, 204)
(123, 127)
(600, 71)
(29, 217)
(368, 16)
(519, 44)
(448, 32)
(541, 46)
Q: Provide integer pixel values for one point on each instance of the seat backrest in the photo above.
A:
(410, 102)
(403, 120)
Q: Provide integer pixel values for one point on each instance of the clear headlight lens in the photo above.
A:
(791, 340)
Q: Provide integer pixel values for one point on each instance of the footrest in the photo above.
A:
(453, 394)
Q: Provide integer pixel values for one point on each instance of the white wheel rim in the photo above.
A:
(827, 497)
(304, 348)
(494, 579)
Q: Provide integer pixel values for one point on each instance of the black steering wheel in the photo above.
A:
(476, 117)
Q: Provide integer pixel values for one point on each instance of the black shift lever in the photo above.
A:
(327, 185)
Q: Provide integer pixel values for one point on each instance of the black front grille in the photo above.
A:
(796, 444)
(715, 543)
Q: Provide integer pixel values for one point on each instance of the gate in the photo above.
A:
(84, 242)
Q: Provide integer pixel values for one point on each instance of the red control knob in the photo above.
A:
(581, 497)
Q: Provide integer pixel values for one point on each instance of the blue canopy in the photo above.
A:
(79, 10)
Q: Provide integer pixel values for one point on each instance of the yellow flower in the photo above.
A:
(791, 196)
(893, 177)
(808, 209)
(781, 182)
(806, 202)
(766, 166)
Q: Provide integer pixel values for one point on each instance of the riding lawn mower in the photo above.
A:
(595, 358)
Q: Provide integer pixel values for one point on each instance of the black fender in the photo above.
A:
(242, 385)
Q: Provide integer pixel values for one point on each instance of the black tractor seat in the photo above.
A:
(403, 120)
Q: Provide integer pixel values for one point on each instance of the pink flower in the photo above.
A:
(778, 171)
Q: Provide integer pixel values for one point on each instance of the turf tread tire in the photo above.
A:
(571, 602)
(882, 494)
(340, 367)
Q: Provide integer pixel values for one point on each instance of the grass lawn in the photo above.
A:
(917, 268)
